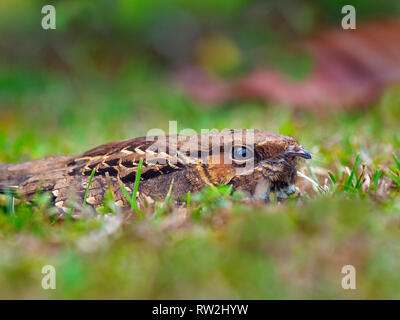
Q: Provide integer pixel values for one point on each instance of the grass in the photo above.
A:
(132, 199)
(88, 188)
(348, 211)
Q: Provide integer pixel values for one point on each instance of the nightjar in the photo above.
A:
(256, 162)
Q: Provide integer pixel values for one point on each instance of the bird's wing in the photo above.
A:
(160, 155)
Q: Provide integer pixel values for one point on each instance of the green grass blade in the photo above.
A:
(313, 176)
(137, 180)
(334, 180)
(230, 189)
(352, 173)
(168, 196)
(10, 201)
(88, 187)
(396, 160)
(376, 177)
(394, 177)
(188, 200)
(132, 199)
(127, 195)
(358, 180)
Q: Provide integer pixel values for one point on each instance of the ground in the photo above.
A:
(219, 247)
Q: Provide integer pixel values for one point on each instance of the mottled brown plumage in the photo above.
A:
(253, 161)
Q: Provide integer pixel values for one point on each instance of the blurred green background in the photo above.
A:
(106, 73)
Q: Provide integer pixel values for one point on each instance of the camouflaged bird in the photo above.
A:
(253, 161)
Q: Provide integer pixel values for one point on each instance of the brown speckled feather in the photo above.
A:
(186, 162)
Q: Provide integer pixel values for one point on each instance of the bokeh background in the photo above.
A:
(107, 71)
(111, 70)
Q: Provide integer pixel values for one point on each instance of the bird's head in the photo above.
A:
(254, 161)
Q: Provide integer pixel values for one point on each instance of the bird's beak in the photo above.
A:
(299, 151)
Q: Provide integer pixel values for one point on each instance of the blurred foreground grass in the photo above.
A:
(219, 248)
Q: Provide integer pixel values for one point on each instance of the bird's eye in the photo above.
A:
(241, 153)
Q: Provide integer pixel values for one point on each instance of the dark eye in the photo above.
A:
(241, 153)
